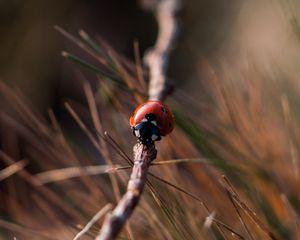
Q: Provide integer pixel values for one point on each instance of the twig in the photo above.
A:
(157, 58)
(97, 216)
(143, 156)
(157, 61)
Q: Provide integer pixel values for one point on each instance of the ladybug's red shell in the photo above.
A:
(164, 118)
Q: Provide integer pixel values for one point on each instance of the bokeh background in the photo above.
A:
(216, 30)
(235, 68)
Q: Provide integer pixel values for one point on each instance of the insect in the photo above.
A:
(151, 120)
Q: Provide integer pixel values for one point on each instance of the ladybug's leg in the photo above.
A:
(155, 133)
(137, 129)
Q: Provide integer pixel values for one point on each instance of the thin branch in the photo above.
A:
(157, 58)
(143, 156)
(157, 61)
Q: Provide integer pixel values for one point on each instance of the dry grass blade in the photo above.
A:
(12, 169)
(186, 193)
(26, 231)
(83, 127)
(26, 114)
(103, 73)
(72, 172)
(240, 216)
(44, 191)
(138, 65)
(23, 131)
(95, 46)
(122, 153)
(129, 80)
(95, 218)
(162, 205)
(292, 142)
(179, 189)
(294, 221)
(182, 160)
(246, 209)
(79, 44)
(98, 126)
(219, 223)
(118, 148)
(89, 184)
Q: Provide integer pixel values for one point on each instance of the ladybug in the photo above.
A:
(151, 120)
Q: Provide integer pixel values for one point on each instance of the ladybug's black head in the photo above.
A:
(147, 131)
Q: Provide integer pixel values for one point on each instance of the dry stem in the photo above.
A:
(143, 156)
(157, 58)
(157, 61)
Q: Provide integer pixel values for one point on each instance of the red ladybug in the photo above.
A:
(151, 120)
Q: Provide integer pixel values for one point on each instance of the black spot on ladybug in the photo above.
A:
(150, 117)
(163, 109)
(170, 125)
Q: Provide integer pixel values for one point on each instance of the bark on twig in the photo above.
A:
(157, 61)
(114, 222)
(158, 57)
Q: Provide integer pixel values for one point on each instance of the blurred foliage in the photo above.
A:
(236, 68)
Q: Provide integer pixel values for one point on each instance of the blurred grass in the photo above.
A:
(245, 123)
